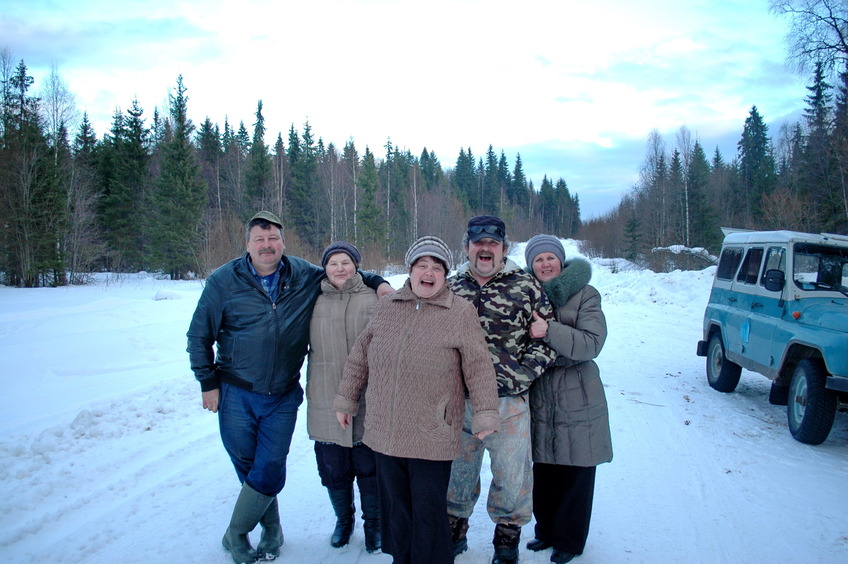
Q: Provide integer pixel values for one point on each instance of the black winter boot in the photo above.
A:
(342, 500)
(250, 507)
(506, 542)
(459, 530)
(371, 522)
(272, 533)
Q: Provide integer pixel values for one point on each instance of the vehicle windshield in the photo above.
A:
(820, 268)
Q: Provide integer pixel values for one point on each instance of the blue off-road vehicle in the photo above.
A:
(779, 306)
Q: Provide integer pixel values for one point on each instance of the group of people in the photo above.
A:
(407, 389)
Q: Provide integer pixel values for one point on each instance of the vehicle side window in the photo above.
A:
(775, 260)
(750, 266)
(728, 263)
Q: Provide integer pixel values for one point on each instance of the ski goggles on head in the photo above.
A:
(477, 232)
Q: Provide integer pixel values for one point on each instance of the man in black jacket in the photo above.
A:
(257, 308)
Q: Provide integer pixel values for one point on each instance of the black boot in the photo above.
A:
(342, 500)
(506, 542)
(371, 522)
(250, 507)
(458, 529)
(272, 533)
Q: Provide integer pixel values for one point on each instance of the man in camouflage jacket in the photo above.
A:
(506, 299)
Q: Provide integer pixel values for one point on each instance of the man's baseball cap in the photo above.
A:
(267, 216)
(486, 226)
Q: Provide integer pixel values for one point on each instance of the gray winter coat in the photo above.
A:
(568, 404)
(338, 318)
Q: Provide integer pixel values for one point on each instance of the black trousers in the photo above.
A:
(414, 510)
(338, 466)
(562, 504)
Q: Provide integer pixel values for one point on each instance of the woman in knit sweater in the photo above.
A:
(341, 313)
(570, 420)
(423, 349)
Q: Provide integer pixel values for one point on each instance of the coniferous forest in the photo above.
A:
(162, 194)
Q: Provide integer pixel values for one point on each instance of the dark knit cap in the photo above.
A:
(543, 244)
(429, 247)
(341, 247)
(483, 226)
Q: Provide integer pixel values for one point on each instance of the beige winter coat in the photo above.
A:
(338, 318)
(417, 357)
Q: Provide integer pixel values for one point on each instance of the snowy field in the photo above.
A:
(108, 457)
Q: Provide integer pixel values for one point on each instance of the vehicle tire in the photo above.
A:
(811, 407)
(722, 374)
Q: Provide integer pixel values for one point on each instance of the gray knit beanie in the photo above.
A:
(341, 247)
(543, 244)
(429, 247)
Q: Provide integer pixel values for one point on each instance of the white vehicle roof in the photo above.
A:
(743, 236)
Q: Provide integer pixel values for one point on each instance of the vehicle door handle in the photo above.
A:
(756, 305)
(731, 299)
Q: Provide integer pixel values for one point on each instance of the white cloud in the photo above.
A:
(441, 74)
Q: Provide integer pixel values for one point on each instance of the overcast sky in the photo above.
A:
(575, 87)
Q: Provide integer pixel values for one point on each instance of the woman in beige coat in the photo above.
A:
(422, 350)
(570, 420)
(341, 313)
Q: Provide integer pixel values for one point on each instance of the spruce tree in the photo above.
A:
(368, 212)
(179, 196)
(258, 180)
(756, 165)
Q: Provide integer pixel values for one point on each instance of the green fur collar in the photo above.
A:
(575, 274)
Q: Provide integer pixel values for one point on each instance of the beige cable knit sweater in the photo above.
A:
(417, 357)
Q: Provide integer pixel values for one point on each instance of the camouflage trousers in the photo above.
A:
(510, 498)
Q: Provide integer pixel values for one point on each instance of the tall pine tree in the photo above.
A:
(179, 196)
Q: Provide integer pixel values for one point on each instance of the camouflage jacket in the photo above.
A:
(505, 305)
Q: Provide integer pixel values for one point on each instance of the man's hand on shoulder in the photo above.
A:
(384, 290)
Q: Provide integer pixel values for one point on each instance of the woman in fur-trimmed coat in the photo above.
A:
(570, 419)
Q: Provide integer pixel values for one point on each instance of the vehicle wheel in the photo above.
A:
(722, 374)
(811, 407)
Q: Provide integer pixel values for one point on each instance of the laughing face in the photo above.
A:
(486, 258)
(427, 277)
(265, 247)
(546, 266)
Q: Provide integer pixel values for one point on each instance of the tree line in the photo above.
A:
(163, 195)
(797, 180)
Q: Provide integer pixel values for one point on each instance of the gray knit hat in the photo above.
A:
(543, 244)
(429, 247)
(341, 247)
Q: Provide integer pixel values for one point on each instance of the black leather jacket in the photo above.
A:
(260, 344)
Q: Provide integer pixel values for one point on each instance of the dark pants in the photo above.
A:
(562, 504)
(413, 506)
(256, 430)
(338, 466)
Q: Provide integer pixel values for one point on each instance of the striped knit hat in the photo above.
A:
(543, 244)
(429, 247)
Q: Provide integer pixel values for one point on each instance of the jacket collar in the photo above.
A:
(443, 298)
(351, 285)
(575, 274)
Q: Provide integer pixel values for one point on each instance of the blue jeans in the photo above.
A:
(257, 430)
